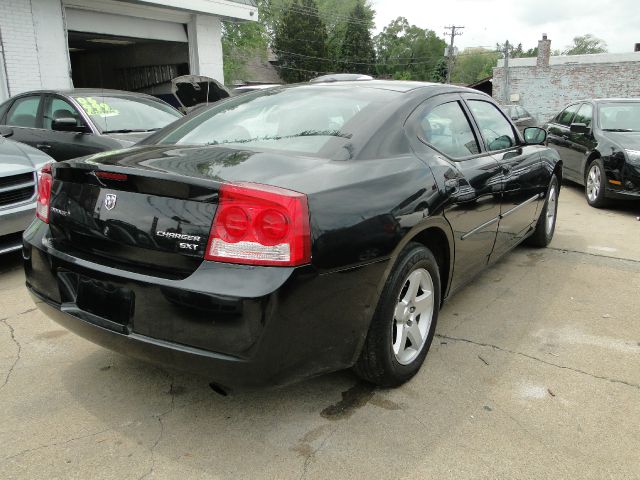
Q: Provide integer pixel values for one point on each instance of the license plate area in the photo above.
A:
(101, 302)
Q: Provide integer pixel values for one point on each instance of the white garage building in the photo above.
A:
(126, 44)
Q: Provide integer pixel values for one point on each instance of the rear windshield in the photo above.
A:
(113, 113)
(621, 117)
(304, 119)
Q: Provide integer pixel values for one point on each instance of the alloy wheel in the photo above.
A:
(593, 183)
(412, 316)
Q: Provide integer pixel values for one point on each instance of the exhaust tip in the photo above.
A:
(218, 389)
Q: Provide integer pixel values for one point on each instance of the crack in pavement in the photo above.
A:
(593, 254)
(17, 343)
(161, 433)
(64, 442)
(312, 455)
(537, 359)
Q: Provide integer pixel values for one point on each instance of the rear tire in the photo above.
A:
(404, 322)
(595, 184)
(546, 225)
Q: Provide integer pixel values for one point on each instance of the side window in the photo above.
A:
(495, 129)
(59, 108)
(447, 128)
(584, 115)
(566, 116)
(24, 112)
(522, 113)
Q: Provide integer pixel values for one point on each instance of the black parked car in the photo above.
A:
(599, 143)
(290, 232)
(75, 123)
(521, 117)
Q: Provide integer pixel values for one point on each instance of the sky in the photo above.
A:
(487, 22)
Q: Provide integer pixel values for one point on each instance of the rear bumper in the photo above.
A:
(241, 327)
(13, 221)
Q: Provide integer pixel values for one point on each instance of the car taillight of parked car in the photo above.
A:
(45, 179)
(260, 225)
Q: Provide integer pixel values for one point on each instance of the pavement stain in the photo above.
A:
(532, 260)
(51, 334)
(353, 399)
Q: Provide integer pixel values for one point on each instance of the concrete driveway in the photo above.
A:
(535, 373)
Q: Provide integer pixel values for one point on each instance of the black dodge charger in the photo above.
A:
(290, 232)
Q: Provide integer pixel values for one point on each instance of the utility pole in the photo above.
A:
(454, 31)
(507, 97)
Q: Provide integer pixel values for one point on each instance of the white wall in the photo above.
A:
(205, 46)
(34, 45)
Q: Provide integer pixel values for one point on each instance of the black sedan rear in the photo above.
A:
(290, 232)
(599, 142)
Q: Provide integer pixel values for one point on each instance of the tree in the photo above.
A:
(409, 52)
(474, 64)
(240, 43)
(585, 44)
(357, 52)
(300, 42)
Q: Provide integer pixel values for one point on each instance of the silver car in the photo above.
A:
(19, 167)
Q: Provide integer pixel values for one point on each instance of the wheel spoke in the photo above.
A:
(401, 338)
(415, 335)
(414, 284)
(399, 313)
(424, 303)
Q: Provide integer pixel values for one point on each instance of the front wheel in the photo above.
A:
(404, 323)
(595, 183)
(546, 225)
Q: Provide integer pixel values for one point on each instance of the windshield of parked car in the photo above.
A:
(620, 117)
(125, 114)
(304, 119)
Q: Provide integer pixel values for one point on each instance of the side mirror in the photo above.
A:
(535, 136)
(5, 132)
(67, 124)
(579, 128)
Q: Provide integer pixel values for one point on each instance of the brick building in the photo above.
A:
(544, 85)
(60, 44)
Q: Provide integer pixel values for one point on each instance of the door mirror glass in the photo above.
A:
(67, 124)
(579, 128)
(535, 136)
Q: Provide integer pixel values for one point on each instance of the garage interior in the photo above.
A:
(126, 63)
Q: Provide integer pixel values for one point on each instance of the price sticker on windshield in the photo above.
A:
(95, 108)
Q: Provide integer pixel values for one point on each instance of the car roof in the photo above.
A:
(601, 100)
(88, 92)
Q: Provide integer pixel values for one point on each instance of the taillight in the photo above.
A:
(260, 225)
(45, 179)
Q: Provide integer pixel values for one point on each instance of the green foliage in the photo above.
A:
(240, 43)
(474, 64)
(357, 54)
(300, 41)
(408, 52)
(585, 44)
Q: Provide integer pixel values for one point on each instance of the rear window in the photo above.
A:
(113, 113)
(303, 119)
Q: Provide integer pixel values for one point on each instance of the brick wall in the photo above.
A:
(34, 45)
(544, 91)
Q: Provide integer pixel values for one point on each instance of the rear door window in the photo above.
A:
(24, 112)
(447, 129)
(566, 117)
(495, 129)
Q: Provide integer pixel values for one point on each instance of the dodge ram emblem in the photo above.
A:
(110, 201)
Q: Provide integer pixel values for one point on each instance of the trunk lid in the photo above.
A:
(131, 219)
